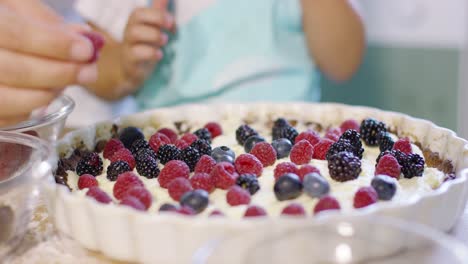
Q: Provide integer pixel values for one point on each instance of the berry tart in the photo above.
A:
(174, 178)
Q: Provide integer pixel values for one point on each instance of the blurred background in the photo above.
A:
(415, 62)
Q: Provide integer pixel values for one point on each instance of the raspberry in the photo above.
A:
(309, 135)
(202, 181)
(321, 148)
(98, 195)
(203, 134)
(285, 167)
(205, 164)
(349, 124)
(157, 140)
(171, 134)
(133, 202)
(224, 175)
(365, 196)
(178, 187)
(167, 153)
(86, 181)
(90, 164)
(344, 166)
(333, 134)
(214, 128)
(117, 168)
(403, 145)
(124, 155)
(306, 169)
(124, 182)
(189, 138)
(173, 169)
(388, 165)
(248, 182)
(255, 211)
(370, 129)
(202, 146)
(181, 144)
(248, 164)
(265, 153)
(111, 147)
(185, 210)
(327, 202)
(293, 209)
(141, 193)
(237, 196)
(216, 213)
(243, 132)
(98, 42)
(302, 152)
(190, 156)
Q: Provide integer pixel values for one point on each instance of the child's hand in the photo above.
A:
(143, 39)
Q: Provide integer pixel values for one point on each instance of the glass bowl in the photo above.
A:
(25, 163)
(46, 122)
(370, 240)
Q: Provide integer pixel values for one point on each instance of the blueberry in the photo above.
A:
(288, 187)
(129, 135)
(384, 186)
(251, 141)
(282, 146)
(315, 185)
(225, 158)
(219, 152)
(197, 200)
(167, 207)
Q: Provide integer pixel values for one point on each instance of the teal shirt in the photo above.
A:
(243, 50)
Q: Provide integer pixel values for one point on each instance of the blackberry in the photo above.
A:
(116, 168)
(138, 145)
(413, 166)
(147, 166)
(277, 127)
(385, 141)
(202, 146)
(91, 163)
(204, 134)
(167, 153)
(344, 166)
(248, 182)
(129, 135)
(145, 152)
(344, 145)
(370, 128)
(354, 138)
(287, 132)
(190, 156)
(243, 132)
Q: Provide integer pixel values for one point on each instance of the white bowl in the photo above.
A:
(129, 235)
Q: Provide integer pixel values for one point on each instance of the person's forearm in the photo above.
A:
(112, 83)
(335, 37)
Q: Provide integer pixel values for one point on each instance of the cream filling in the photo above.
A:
(265, 197)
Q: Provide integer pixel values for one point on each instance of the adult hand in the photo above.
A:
(39, 55)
